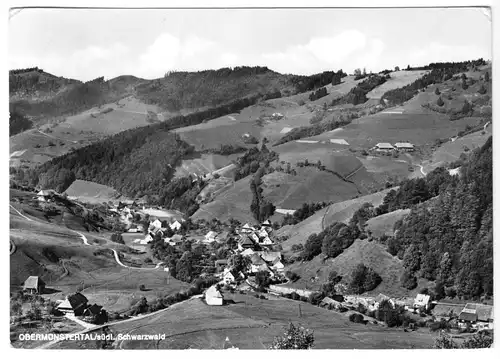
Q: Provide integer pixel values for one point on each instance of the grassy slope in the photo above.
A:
(338, 212)
(252, 323)
(72, 263)
(91, 192)
(372, 254)
(398, 79)
(384, 224)
(234, 201)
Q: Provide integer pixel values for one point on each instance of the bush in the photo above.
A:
(117, 238)
(437, 92)
(292, 276)
(142, 287)
(440, 101)
(356, 318)
(294, 338)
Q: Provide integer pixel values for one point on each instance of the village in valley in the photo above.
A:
(187, 200)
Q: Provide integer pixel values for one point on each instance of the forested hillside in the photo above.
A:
(450, 240)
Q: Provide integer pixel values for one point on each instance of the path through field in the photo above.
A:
(55, 138)
(79, 321)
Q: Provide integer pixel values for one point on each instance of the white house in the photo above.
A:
(384, 147)
(404, 146)
(148, 239)
(422, 301)
(254, 237)
(277, 265)
(156, 224)
(44, 195)
(266, 242)
(262, 233)
(133, 230)
(210, 237)
(213, 296)
(175, 226)
(266, 223)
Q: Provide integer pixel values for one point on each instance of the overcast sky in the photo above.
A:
(85, 44)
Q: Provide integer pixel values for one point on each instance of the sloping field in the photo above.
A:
(212, 136)
(338, 212)
(91, 192)
(310, 185)
(205, 163)
(371, 254)
(421, 129)
(384, 224)
(451, 151)
(398, 79)
(341, 162)
(113, 117)
(343, 211)
(252, 323)
(232, 202)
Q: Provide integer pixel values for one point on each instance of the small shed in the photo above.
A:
(34, 284)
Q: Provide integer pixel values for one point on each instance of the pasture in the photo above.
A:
(91, 192)
(252, 323)
(233, 201)
(398, 79)
(384, 224)
(337, 212)
(372, 254)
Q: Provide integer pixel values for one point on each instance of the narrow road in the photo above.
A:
(117, 259)
(79, 321)
(231, 118)
(55, 138)
(353, 173)
(22, 215)
(422, 170)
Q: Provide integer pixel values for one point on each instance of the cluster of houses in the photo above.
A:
(158, 227)
(477, 316)
(398, 146)
(253, 243)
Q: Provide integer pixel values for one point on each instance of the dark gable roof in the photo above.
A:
(246, 240)
(77, 300)
(94, 309)
(470, 317)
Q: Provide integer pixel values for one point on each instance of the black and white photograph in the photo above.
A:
(250, 178)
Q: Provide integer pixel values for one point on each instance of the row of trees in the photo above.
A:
(357, 95)
(306, 210)
(315, 95)
(252, 160)
(260, 208)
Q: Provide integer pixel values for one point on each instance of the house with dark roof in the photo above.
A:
(245, 242)
(74, 304)
(34, 284)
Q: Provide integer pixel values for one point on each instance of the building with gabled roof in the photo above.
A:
(384, 146)
(404, 146)
(73, 304)
(247, 228)
(422, 301)
(245, 242)
(213, 296)
(175, 226)
(34, 284)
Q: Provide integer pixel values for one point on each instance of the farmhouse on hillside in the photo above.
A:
(34, 284)
(74, 304)
(479, 315)
(404, 146)
(384, 147)
(213, 296)
(45, 195)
